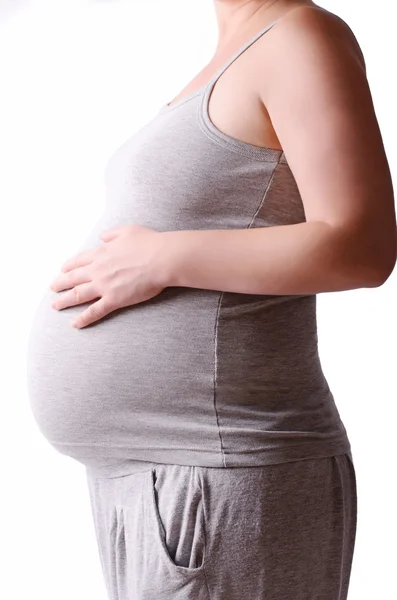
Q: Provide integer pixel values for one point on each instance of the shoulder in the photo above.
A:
(307, 29)
(313, 59)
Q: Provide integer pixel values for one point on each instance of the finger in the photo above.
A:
(78, 295)
(94, 313)
(80, 260)
(111, 234)
(68, 280)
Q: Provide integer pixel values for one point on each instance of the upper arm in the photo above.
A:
(318, 98)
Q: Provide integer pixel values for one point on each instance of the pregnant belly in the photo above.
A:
(126, 377)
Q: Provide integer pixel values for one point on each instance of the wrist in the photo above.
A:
(166, 264)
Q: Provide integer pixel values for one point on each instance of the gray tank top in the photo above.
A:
(190, 377)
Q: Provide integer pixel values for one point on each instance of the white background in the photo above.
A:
(77, 79)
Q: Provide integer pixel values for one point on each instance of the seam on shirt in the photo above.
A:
(248, 152)
(165, 448)
(257, 153)
(265, 192)
(218, 315)
(216, 372)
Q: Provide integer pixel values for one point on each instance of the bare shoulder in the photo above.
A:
(314, 60)
(317, 29)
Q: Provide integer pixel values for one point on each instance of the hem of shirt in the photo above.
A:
(106, 460)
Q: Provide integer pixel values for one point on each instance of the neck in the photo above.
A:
(237, 16)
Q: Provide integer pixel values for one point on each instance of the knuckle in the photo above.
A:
(95, 311)
(76, 295)
(111, 302)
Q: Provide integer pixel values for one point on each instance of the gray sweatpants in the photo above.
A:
(276, 532)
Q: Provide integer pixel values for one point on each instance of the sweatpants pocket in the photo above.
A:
(156, 557)
(165, 537)
(176, 515)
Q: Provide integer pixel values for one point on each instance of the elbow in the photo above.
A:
(372, 259)
(384, 262)
(381, 274)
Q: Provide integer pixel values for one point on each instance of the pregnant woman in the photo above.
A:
(176, 354)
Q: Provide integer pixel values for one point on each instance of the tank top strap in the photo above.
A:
(223, 68)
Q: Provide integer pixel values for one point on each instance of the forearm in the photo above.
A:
(304, 258)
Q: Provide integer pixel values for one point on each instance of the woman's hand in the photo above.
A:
(123, 271)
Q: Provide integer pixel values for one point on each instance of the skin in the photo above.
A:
(313, 102)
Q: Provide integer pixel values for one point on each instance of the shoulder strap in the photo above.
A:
(241, 50)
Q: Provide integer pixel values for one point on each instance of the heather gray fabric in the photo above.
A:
(190, 377)
(274, 532)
